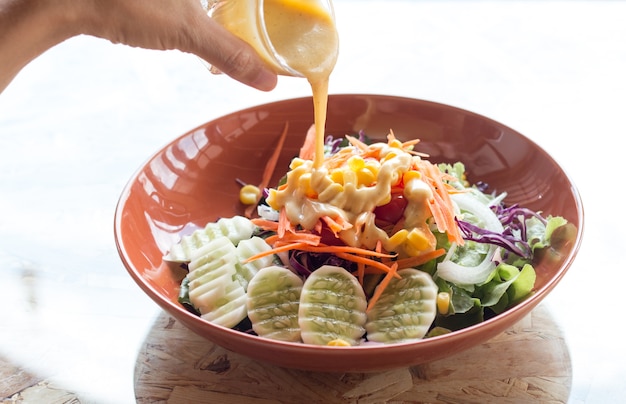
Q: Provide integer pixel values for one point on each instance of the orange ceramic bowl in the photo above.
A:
(192, 181)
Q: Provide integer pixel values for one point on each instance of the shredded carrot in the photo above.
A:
(276, 250)
(360, 272)
(298, 237)
(367, 261)
(318, 227)
(353, 254)
(337, 159)
(265, 224)
(284, 225)
(344, 249)
(336, 225)
(271, 163)
(332, 225)
(374, 271)
(441, 205)
(307, 151)
(410, 143)
(393, 272)
(358, 144)
(270, 166)
(420, 259)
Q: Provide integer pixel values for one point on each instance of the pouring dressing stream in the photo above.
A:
(296, 37)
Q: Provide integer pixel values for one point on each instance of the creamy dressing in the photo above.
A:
(299, 38)
(295, 37)
(311, 193)
(303, 33)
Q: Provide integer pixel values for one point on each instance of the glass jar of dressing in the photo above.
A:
(295, 37)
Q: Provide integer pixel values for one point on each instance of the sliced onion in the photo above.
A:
(462, 275)
(469, 203)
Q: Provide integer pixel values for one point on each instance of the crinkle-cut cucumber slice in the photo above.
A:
(406, 308)
(230, 310)
(273, 302)
(249, 248)
(211, 296)
(180, 252)
(236, 228)
(215, 254)
(332, 307)
(213, 285)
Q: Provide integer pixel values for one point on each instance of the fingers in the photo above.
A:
(177, 24)
(233, 57)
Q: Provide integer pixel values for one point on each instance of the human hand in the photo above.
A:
(30, 27)
(182, 25)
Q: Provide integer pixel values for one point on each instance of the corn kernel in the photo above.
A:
(337, 176)
(443, 302)
(304, 183)
(389, 156)
(271, 199)
(396, 240)
(418, 239)
(373, 166)
(338, 342)
(355, 163)
(249, 194)
(330, 192)
(395, 143)
(365, 177)
(296, 162)
(417, 190)
(411, 175)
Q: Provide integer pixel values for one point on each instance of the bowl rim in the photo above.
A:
(185, 316)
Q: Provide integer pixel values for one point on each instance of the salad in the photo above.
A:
(375, 245)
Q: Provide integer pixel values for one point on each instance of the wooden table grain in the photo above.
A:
(528, 362)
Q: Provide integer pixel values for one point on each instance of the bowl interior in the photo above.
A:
(193, 180)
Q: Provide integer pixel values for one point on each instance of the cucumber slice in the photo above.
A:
(209, 296)
(406, 309)
(213, 285)
(273, 302)
(236, 228)
(230, 309)
(246, 249)
(181, 252)
(215, 254)
(226, 308)
(332, 307)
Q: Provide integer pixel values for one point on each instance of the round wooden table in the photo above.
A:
(528, 362)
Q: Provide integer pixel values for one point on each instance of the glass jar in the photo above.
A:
(295, 37)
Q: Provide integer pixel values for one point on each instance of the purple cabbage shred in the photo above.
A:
(514, 238)
(302, 261)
